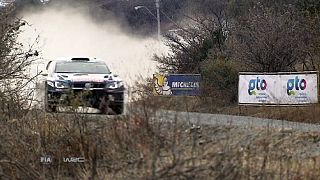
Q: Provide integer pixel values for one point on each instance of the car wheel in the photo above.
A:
(107, 107)
(51, 108)
(118, 109)
(48, 107)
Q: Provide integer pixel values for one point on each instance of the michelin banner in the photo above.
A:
(176, 84)
(278, 89)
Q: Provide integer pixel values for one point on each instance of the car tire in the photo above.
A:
(107, 107)
(48, 107)
(51, 108)
(118, 109)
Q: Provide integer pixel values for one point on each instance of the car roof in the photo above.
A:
(77, 59)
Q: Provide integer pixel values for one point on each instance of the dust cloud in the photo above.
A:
(67, 31)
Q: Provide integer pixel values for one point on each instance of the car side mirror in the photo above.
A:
(47, 67)
(42, 73)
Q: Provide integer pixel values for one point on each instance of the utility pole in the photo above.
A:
(158, 19)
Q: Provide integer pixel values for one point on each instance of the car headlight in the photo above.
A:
(120, 84)
(114, 85)
(59, 84)
(50, 83)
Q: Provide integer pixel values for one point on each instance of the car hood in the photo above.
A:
(80, 77)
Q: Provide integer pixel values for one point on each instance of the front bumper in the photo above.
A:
(91, 97)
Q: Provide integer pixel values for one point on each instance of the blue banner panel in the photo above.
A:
(177, 84)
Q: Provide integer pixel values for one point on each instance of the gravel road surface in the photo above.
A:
(243, 121)
(208, 119)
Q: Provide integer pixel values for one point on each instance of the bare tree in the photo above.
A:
(14, 61)
(269, 40)
(203, 32)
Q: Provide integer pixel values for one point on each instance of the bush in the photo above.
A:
(220, 78)
(14, 62)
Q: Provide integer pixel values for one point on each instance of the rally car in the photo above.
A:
(83, 81)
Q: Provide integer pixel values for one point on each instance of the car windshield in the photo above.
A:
(82, 67)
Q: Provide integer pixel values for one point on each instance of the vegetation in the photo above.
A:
(14, 61)
(216, 38)
(141, 147)
(223, 38)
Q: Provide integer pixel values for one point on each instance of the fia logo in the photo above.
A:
(46, 159)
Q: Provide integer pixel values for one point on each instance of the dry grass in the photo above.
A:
(141, 147)
(307, 114)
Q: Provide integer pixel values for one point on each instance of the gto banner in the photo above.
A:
(278, 88)
(176, 84)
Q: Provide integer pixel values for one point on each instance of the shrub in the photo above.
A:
(14, 61)
(220, 78)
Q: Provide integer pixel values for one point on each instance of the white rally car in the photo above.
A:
(86, 80)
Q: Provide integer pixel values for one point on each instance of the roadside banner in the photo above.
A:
(299, 89)
(278, 88)
(258, 89)
(176, 84)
